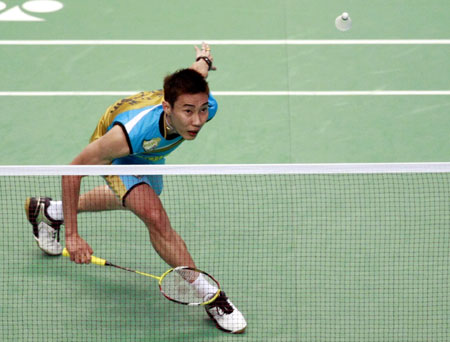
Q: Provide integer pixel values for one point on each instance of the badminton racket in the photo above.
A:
(176, 284)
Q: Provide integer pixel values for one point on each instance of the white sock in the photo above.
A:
(55, 210)
(204, 287)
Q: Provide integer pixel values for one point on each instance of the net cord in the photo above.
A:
(223, 169)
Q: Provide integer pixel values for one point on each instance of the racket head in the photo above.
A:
(175, 285)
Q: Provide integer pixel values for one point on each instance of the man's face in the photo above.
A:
(188, 114)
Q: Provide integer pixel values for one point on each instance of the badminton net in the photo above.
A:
(341, 252)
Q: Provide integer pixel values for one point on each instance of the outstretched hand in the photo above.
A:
(201, 65)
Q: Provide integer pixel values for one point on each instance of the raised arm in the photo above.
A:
(203, 60)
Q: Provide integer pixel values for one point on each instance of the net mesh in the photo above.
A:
(305, 257)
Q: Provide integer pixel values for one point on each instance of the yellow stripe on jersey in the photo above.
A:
(140, 100)
(116, 185)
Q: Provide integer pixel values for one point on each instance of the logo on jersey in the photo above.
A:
(150, 145)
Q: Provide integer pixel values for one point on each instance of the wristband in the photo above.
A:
(207, 61)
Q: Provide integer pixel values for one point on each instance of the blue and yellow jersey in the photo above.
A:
(141, 118)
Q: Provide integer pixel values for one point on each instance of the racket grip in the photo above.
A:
(94, 259)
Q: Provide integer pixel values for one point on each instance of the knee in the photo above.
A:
(156, 220)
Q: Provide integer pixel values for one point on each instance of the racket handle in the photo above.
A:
(94, 259)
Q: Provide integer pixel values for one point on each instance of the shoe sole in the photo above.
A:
(27, 208)
(225, 330)
(29, 216)
(46, 252)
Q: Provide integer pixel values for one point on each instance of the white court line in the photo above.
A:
(241, 93)
(234, 42)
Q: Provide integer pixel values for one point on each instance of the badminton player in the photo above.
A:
(141, 129)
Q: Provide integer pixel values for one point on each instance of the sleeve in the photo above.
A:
(137, 125)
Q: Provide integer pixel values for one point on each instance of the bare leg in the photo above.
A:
(144, 202)
(99, 199)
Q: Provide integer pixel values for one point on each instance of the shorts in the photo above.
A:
(122, 185)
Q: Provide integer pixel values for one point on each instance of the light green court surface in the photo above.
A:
(305, 257)
(254, 129)
(341, 277)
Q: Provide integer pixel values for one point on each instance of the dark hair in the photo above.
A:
(184, 81)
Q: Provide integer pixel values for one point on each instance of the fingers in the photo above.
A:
(205, 51)
(206, 47)
(81, 253)
(81, 257)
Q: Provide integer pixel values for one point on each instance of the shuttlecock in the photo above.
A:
(343, 22)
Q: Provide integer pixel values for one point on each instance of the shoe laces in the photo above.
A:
(222, 305)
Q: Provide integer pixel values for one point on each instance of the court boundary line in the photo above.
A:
(234, 42)
(237, 42)
(239, 93)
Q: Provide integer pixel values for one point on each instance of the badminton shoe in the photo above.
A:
(45, 229)
(225, 315)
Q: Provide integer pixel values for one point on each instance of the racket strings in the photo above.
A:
(182, 286)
